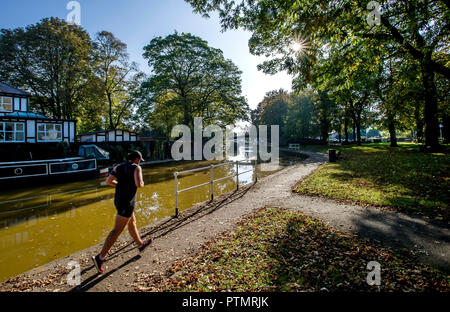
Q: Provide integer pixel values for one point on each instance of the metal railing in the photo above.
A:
(212, 181)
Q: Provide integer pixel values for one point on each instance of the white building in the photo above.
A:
(18, 125)
(108, 136)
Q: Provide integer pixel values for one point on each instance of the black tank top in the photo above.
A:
(126, 186)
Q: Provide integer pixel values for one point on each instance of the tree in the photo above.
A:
(325, 109)
(273, 111)
(161, 118)
(397, 98)
(298, 115)
(52, 60)
(421, 29)
(443, 87)
(193, 79)
(412, 28)
(120, 79)
(301, 118)
(346, 75)
(91, 113)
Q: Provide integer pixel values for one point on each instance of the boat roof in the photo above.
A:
(24, 162)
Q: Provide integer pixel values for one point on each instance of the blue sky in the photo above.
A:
(136, 22)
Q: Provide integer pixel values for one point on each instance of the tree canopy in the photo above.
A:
(70, 75)
(310, 38)
(119, 78)
(300, 116)
(52, 60)
(190, 79)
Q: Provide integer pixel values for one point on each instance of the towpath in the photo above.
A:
(178, 238)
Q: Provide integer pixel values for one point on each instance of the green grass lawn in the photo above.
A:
(318, 148)
(402, 178)
(281, 250)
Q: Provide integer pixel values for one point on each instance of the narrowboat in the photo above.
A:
(21, 129)
(89, 164)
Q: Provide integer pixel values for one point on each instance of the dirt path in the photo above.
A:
(176, 239)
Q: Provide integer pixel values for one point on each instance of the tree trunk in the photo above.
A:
(324, 131)
(354, 131)
(346, 130)
(187, 118)
(187, 114)
(392, 134)
(419, 123)
(431, 105)
(110, 112)
(58, 109)
(446, 129)
(358, 131)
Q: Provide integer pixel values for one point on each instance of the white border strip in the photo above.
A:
(26, 176)
(68, 162)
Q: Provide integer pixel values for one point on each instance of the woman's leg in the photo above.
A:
(120, 224)
(132, 229)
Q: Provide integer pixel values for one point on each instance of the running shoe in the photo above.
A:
(98, 264)
(145, 244)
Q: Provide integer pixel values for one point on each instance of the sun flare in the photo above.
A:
(299, 46)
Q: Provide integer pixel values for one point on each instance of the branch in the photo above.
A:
(415, 53)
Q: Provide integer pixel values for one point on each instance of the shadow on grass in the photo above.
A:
(407, 179)
(311, 256)
(310, 259)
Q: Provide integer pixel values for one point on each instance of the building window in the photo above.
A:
(101, 138)
(12, 132)
(6, 104)
(49, 132)
(88, 138)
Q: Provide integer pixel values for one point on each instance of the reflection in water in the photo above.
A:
(44, 223)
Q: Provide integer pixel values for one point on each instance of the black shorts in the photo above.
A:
(124, 210)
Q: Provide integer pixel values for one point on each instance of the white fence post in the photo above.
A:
(212, 182)
(237, 175)
(176, 194)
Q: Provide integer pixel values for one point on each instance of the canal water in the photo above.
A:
(45, 223)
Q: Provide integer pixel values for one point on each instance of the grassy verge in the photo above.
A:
(402, 178)
(281, 250)
(318, 148)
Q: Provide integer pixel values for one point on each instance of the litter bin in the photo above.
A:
(332, 155)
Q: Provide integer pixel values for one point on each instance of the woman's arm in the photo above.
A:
(111, 179)
(138, 178)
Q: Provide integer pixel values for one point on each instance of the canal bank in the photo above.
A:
(46, 222)
(177, 239)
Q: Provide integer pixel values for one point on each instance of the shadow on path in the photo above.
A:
(430, 241)
(92, 281)
(160, 230)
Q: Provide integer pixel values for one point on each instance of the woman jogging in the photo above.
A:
(126, 178)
